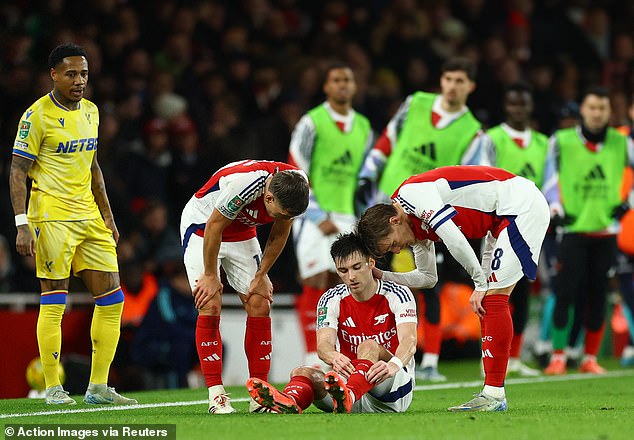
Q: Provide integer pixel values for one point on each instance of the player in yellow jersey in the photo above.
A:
(68, 224)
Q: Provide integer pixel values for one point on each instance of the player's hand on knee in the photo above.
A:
(341, 365)
(207, 287)
(381, 371)
(262, 286)
(476, 302)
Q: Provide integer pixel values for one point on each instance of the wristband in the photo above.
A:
(20, 220)
(395, 360)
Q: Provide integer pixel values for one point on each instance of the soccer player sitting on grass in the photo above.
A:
(374, 322)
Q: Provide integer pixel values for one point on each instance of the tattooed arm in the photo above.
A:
(20, 166)
(101, 198)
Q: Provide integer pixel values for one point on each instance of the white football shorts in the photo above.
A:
(312, 247)
(239, 259)
(515, 252)
(393, 395)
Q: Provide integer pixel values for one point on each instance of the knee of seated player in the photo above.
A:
(369, 349)
(257, 306)
(316, 376)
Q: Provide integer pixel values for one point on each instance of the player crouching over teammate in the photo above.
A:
(455, 203)
(374, 322)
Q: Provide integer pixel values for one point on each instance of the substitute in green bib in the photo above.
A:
(516, 147)
(329, 143)
(428, 131)
(584, 170)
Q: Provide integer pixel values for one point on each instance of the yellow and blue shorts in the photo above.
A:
(78, 245)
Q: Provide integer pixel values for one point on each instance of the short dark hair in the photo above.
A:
(332, 66)
(62, 51)
(348, 244)
(374, 226)
(600, 91)
(290, 189)
(462, 64)
(519, 87)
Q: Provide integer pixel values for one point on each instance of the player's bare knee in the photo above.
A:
(257, 306)
(212, 308)
(48, 285)
(369, 349)
(316, 376)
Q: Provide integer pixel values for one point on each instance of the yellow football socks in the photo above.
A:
(104, 331)
(49, 333)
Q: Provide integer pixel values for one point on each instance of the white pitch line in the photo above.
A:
(441, 386)
(525, 380)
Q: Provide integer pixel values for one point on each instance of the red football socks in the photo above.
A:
(209, 346)
(516, 345)
(432, 337)
(301, 389)
(357, 383)
(593, 340)
(306, 309)
(257, 346)
(497, 333)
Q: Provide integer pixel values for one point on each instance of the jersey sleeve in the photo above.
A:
(425, 275)
(481, 152)
(402, 303)
(302, 144)
(28, 139)
(423, 200)
(550, 186)
(328, 309)
(237, 191)
(301, 156)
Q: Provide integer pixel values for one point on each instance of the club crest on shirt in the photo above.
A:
(380, 319)
(235, 204)
(25, 126)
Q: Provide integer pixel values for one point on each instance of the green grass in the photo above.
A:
(574, 407)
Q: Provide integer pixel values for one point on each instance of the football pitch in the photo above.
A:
(575, 406)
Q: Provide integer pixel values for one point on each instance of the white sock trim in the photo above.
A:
(495, 392)
(429, 360)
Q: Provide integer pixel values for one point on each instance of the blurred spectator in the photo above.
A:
(6, 266)
(190, 166)
(165, 344)
(159, 241)
(168, 58)
(145, 171)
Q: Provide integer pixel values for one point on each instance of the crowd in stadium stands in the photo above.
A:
(184, 87)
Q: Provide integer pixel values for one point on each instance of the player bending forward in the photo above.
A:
(455, 203)
(218, 228)
(374, 322)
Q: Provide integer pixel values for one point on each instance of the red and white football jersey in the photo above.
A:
(375, 319)
(478, 199)
(236, 190)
